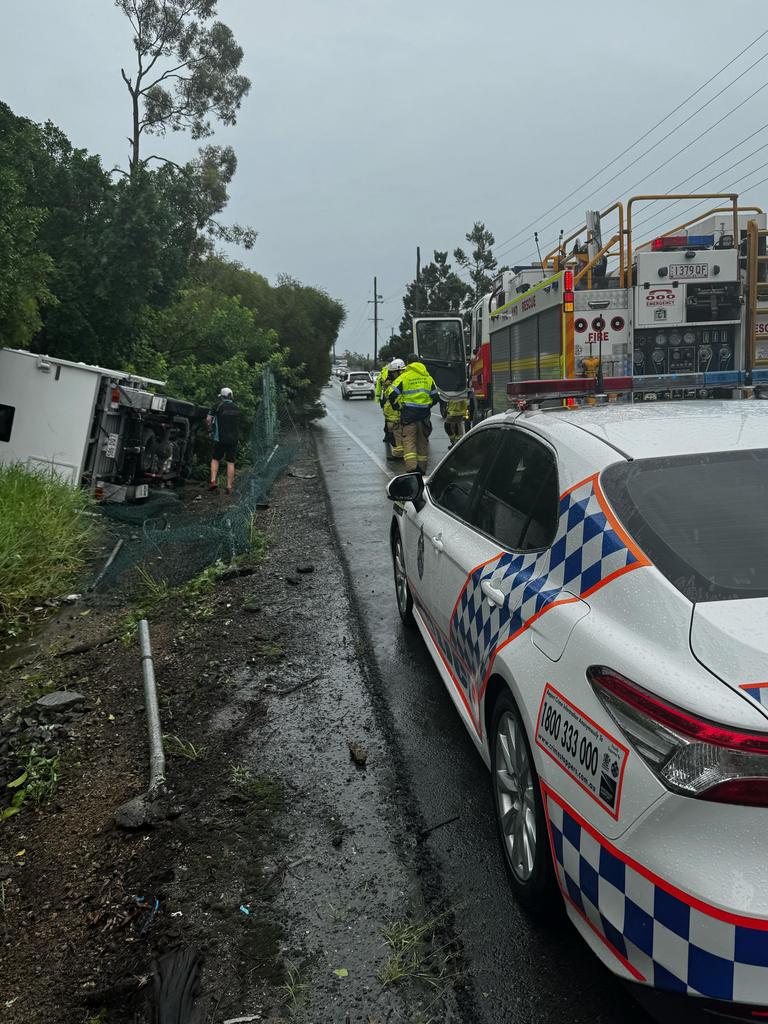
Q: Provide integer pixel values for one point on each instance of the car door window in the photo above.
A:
(452, 486)
(518, 502)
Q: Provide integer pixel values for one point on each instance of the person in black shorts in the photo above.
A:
(224, 426)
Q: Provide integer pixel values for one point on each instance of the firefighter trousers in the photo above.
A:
(454, 428)
(393, 433)
(416, 444)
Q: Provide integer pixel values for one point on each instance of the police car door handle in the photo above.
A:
(494, 596)
(437, 542)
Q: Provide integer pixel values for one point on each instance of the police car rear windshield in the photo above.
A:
(701, 519)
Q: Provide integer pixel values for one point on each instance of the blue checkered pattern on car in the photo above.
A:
(587, 552)
(671, 942)
(758, 693)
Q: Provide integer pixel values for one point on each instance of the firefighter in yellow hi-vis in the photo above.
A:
(393, 431)
(414, 393)
(455, 420)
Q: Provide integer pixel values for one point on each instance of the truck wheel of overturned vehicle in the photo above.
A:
(402, 590)
(519, 810)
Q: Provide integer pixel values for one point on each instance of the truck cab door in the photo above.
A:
(440, 344)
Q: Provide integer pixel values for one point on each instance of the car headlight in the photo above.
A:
(690, 755)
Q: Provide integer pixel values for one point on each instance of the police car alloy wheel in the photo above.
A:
(519, 809)
(402, 590)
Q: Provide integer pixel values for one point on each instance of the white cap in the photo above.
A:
(397, 364)
(225, 393)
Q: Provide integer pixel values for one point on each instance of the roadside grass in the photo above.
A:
(294, 988)
(269, 650)
(414, 955)
(264, 794)
(176, 746)
(37, 782)
(44, 537)
(154, 593)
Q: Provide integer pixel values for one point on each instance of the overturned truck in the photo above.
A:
(105, 430)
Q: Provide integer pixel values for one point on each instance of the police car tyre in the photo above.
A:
(520, 811)
(402, 590)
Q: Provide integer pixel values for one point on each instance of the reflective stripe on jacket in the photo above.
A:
(380, 381)
(391, 414)
(414, 393)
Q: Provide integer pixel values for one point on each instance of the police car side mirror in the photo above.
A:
(408, 487)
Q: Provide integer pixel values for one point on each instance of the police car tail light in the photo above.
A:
(690, 755)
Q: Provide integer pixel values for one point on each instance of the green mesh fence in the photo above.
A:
(174, 535)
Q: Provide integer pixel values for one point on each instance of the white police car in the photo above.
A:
(593, 587)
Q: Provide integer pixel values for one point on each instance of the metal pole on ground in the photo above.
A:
(107, 564)
(156, 754)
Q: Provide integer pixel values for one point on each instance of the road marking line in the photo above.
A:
(364, 447)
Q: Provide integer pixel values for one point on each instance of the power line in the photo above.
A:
(683, 213)
(656, 144)
(701, 202)
(701, 135)
(709, 181)
(500, 251)
(730, 149)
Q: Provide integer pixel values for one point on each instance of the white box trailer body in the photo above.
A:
(46, 411)
(92, 426)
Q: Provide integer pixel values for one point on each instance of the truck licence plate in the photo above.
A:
(142, 490)
(111, 450)
(677, 271)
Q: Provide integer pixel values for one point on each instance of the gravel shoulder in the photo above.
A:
(290, 871)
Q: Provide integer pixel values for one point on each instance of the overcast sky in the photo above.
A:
(374, 127)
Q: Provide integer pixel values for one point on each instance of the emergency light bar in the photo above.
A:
(586, 387)
(568, 387)
(668, 243)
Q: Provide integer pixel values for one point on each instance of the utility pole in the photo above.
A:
(375, 301)
(418, 280)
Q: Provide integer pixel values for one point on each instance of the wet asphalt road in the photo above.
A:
(521, 971)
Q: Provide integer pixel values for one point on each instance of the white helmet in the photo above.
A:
(225, 393)
(397, 364)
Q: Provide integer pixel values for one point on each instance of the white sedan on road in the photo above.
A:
(358, 384)
(593, 587)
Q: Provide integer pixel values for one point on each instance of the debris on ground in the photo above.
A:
(358, 753)
(59, 701)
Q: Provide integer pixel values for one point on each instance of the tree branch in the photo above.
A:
(164, 160)
(127, 81)
(171, 72)
(186, 112)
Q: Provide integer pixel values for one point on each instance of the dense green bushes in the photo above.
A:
(120, 271)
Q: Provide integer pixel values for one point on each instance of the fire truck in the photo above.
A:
(675, 315)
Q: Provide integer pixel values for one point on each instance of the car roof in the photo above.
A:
(651, 429)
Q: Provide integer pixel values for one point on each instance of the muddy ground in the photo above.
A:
(289, 870)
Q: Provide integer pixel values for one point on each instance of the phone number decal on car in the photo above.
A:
(590, 755)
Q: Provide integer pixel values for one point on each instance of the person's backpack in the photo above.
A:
(228, 419)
